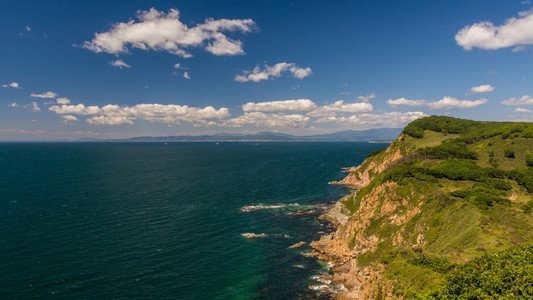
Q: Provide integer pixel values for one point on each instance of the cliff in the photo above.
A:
(447, 193)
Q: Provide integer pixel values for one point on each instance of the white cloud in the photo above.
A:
(79, 109)
(104, 120)
(522, 110)
(367, 97)
(14, 104)
(34, 106)
(28, 28)
(260, 119)
(113, 114)
(159, 31)
(44, 95)
(269, 72)
(484, 35)
(302, 105)
(186, 75)
(405, 102)
(524, 100)
(179, 66)
(385, 120)
(69, 118)
(482, 88)
(63, 101)
(444, 103)
(341, 107)
(452, 103)
(13, 85)
(119, 63)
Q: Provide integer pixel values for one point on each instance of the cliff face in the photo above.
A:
(361, 176)
(429, 199)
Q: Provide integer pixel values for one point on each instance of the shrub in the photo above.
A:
(503, 275)
(529, 159)
(508, 153)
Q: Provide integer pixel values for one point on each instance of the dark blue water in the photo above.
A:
(116, 220)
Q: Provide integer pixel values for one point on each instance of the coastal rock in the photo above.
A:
(297, 245)
(338, 214)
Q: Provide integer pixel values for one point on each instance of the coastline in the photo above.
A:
(346, 280)
(341, 247)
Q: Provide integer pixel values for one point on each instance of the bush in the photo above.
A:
(480, 199)
(508, 153)
(523, 177)
(503, 275)
(450, 149)
(529, 159)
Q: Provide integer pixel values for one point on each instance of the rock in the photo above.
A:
(299, 244)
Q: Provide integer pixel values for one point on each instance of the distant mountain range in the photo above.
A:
(379, 134)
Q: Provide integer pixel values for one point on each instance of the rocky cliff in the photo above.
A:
(445, 192)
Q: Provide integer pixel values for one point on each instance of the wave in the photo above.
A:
(260, 206)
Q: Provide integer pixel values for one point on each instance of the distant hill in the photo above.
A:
(346, 136)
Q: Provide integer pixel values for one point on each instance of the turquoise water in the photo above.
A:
(116, 220)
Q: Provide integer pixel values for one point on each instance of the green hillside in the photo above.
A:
(456, 200)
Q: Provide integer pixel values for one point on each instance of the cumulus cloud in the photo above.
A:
(277, 70)
(113, 114)
(522, 110)
(453, 103)
(62, 101)
(444, 103)
(301, 105)
(367, 97)
(341, 107)
(14, 104)
(260, 119)
(484, 35)
(405, 102)
(160, 31)
(482, 88)
(524, 100)
(119, 63)
(13, 85)
(387, 120)
(186, 75)
(44, 95)
(69, 118)
(105, 120)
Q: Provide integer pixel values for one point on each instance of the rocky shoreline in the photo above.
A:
(347, 279)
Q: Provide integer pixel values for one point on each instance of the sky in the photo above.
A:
(119, 69)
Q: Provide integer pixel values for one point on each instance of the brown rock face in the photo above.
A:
(362, 175)
(352, 237)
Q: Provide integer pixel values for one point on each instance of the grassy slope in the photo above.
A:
(474, 203)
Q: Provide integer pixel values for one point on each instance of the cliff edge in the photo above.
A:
(448, 193)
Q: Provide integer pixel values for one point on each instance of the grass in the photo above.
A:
(465, 173)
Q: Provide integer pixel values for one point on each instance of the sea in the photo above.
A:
(165, 221)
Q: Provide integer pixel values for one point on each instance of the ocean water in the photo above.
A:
(148, 220)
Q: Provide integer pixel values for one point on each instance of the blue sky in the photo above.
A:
(110, 69)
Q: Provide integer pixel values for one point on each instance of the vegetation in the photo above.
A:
(375, 152)
(473, 235)
(503, 275)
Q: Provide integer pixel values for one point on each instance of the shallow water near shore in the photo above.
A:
(120, 220)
